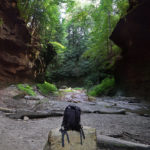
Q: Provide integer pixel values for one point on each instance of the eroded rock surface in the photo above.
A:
(16, 53)
(132, 34)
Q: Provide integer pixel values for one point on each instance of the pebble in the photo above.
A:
(25, 118)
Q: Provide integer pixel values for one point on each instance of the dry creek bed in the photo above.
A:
(18, 134)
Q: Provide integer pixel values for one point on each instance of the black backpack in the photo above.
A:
(71, 121)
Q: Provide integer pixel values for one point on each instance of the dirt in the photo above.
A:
(32, 134)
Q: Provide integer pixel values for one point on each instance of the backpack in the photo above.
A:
(71, 121)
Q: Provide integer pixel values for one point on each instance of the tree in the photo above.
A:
(84, 32)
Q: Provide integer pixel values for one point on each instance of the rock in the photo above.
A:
(19, 56)
(63, 87)
(27, 97)
(75, 96)
(15, 62)
(91, 98)
(25, 118)
(19, 96)
(54, 140)
(145, 115)
(132, 34)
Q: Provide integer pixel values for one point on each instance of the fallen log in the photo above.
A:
(53, 113)
(34, 115)
(7, 110)
(118, 144)
(122, 111)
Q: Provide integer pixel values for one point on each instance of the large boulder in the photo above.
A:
(55, 143)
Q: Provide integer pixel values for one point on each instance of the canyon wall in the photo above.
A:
(132, 34)
(17, 55)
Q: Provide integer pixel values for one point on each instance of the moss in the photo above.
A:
(46, 88)
(104, 88)
(26, 88)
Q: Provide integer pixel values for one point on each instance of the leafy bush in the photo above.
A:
(47, 88)
(27, 89)
(105, 88)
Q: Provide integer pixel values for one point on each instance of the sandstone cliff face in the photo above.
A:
(132, 34)
(16, 54)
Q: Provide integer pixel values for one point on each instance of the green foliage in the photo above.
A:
(122, 6)
(89, 52)
(79, 33)
(59, 47)
(58, 59)
(71, 64)
(100, 49)
(88, 84)
(104, 88)
(42, 18)
(27, 89)
(47, 88)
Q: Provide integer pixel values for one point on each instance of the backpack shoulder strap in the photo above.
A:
(81, 134)
(64, 132)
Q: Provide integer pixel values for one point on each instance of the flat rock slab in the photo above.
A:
(55, 141)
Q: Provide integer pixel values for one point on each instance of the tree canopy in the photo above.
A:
(79, 32)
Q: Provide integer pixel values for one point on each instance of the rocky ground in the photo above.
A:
(31, 134)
